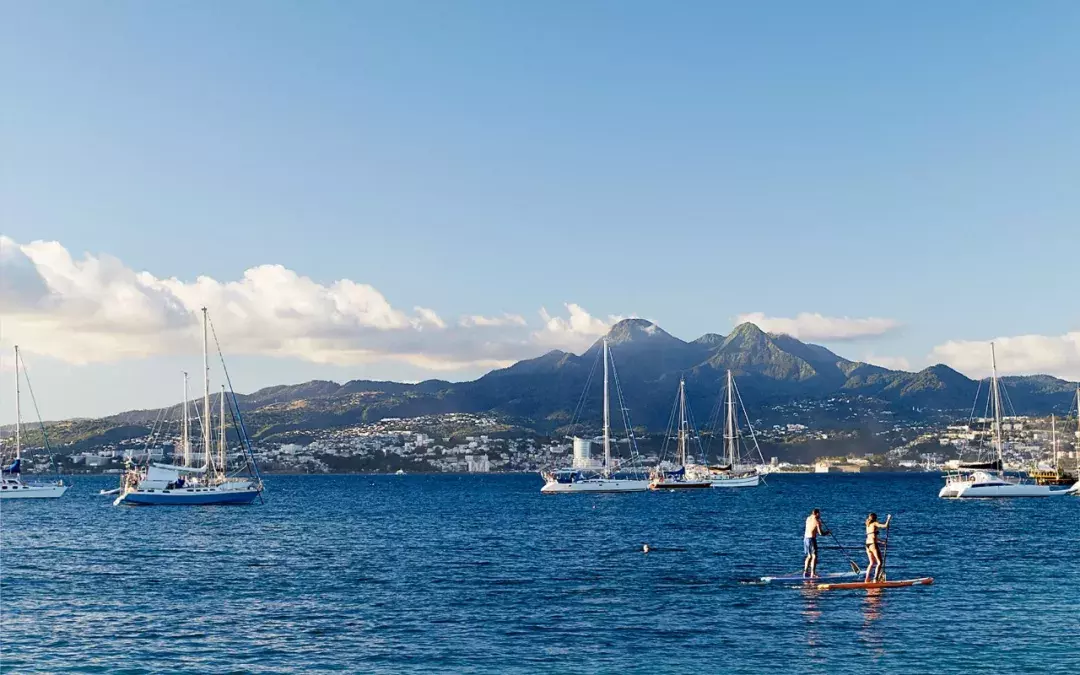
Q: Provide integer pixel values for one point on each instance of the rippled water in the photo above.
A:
(484, 574)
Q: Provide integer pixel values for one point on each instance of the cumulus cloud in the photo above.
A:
(1057, 355)
(576, 332)
(807, 326)
(95, 309)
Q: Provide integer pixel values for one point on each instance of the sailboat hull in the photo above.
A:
(596, 485)
(736, 481)
(23, 491)
(188, 497)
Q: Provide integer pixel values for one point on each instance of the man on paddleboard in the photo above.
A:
(810, 534)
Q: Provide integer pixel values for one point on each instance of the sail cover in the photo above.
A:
(16, 467)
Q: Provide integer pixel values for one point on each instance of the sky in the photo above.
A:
(411, 190)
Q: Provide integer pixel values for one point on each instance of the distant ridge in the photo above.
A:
(544, 390)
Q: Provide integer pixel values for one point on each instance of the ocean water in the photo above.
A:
(483, 574)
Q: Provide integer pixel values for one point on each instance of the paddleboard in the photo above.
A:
(924, 581)
(798, 578)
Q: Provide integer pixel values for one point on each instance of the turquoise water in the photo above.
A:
(483, 574)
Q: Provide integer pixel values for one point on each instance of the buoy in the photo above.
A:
(645, 548)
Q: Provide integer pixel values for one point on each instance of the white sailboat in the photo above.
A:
(184, 484)
(737, 473)
(11, 482)
(680, 478)
(606, 479)
(983, 483)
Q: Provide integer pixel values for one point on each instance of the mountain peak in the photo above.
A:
(629, 330)
(709, 339)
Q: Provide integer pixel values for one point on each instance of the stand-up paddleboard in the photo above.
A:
(924, 581)
(798, 578)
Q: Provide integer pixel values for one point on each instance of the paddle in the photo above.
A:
(851, 561)
(884, 552)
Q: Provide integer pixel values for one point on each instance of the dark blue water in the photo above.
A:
(484, 574)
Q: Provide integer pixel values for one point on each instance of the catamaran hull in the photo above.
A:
(184, 497)
(736, 482)
(596, 485)
(975, 491)
(33, 492)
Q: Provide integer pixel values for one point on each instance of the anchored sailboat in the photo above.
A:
(991, 480)
(11, 483)
(738, 472)
(680, 477)
(586, 479)
(211, 483)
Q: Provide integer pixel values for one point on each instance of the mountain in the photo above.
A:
(546, 392)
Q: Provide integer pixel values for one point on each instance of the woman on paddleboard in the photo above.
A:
(873, 548)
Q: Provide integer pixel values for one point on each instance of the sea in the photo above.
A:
(483, 574)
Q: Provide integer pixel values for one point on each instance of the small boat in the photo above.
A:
(984, 483)
(184, 484)
(607, 479)
(854, 585)
(11, 482)
(798, 578)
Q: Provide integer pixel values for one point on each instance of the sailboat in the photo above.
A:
(11, 483)
(185, 484)
(991, 480)
(737, 472)
(606, 479)
(679, 479)
(1055, 475)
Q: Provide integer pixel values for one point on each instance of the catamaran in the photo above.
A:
(11, 483)
(184, 483)
(990, 479)
(607, 478)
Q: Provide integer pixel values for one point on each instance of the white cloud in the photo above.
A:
(575, 333)
(1057, 355)
(807, 326)
(95, 309)
(890, 362)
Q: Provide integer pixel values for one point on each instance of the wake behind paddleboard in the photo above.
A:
(924, 581)
(798, 578)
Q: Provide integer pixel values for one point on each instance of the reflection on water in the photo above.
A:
(870, 635)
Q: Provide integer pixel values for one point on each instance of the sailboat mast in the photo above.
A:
(221, 431)
(185, 432)
(997, 407)
(206, 393)
(607, 416)
(730, 421)
(682, 422)
(1053, 436)
(18, 409)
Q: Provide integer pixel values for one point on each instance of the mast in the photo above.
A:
(207, 446)
(185, 432)
(730, 434)
(607, 416)
(221, 432)
(1053, 436)
(682, 421)
(18, 409)
(997, 407)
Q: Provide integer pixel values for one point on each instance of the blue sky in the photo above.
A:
(688, 163)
